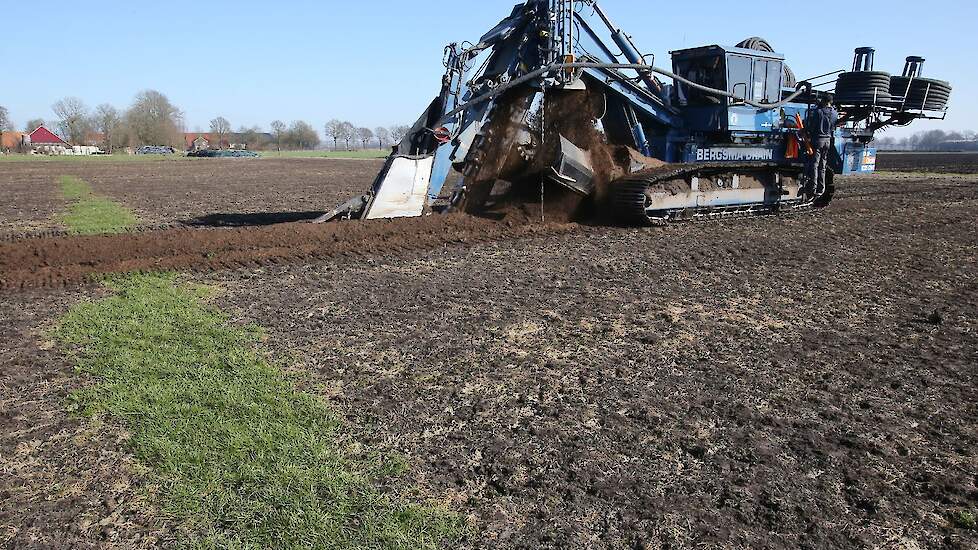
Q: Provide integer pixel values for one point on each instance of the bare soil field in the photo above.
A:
(207, 192)
(944, 163)
(778, 383)
(797, 382)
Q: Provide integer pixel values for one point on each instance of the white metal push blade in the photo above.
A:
(404, 190)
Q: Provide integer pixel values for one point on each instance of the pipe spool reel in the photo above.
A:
(914, 91)
(864, 86)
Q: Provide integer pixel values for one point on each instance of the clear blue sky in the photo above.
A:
(379, 63)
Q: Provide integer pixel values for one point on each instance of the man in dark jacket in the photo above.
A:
(821, 128)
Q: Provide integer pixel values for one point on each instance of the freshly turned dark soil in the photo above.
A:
(802, 382)
(58, 261)
(795, 382)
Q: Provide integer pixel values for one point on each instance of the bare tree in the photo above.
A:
(348, 132)
(253, 138)
(382, 134)
(278, 130)
(301, 135)
(398, 133)
(885, 143)
(334, 130)
(153, 120)
(33, 124)
(928, 141)
(221, 128)
(5, 124)
(106, 121)
(366, 135)
(73, 121)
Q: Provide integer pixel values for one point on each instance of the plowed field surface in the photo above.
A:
(944, 163)
(798, 382)
(208, 192)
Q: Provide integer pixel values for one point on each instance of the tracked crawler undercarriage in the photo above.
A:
(708, 192)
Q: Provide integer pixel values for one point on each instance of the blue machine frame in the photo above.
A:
(725, 104)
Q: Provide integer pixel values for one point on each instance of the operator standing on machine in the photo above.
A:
(821, 128)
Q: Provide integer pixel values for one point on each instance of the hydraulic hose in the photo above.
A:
(801, 89)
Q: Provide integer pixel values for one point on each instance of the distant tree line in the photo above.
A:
(348, 136)
(152, 119)
(931, 140)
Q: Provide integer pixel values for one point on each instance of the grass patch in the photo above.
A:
(91, 214)
(97, 216)
(964, 519)
(74, 188)
(241, 459)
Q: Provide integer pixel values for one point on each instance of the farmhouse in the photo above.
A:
(44, 137)
(199, 141)
(44, 141)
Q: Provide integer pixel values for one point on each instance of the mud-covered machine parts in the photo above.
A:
(688, 192)
(557, 94)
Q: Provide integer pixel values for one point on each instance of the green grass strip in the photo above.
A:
(98, 215)
(91, 214)
(74, 188)
(241, 458)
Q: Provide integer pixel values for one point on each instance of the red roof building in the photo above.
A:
(43, 136)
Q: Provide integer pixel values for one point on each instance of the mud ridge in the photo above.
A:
(58, 261)
(48, 233)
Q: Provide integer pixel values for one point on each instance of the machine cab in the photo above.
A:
(750, 74)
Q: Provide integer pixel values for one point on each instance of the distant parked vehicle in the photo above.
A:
(155, 150)
(233, 153)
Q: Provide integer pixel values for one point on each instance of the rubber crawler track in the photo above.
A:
(628, 201)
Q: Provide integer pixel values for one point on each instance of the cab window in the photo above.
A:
(707, 71)
(760, 79)
(775, 72)
(739, 73)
